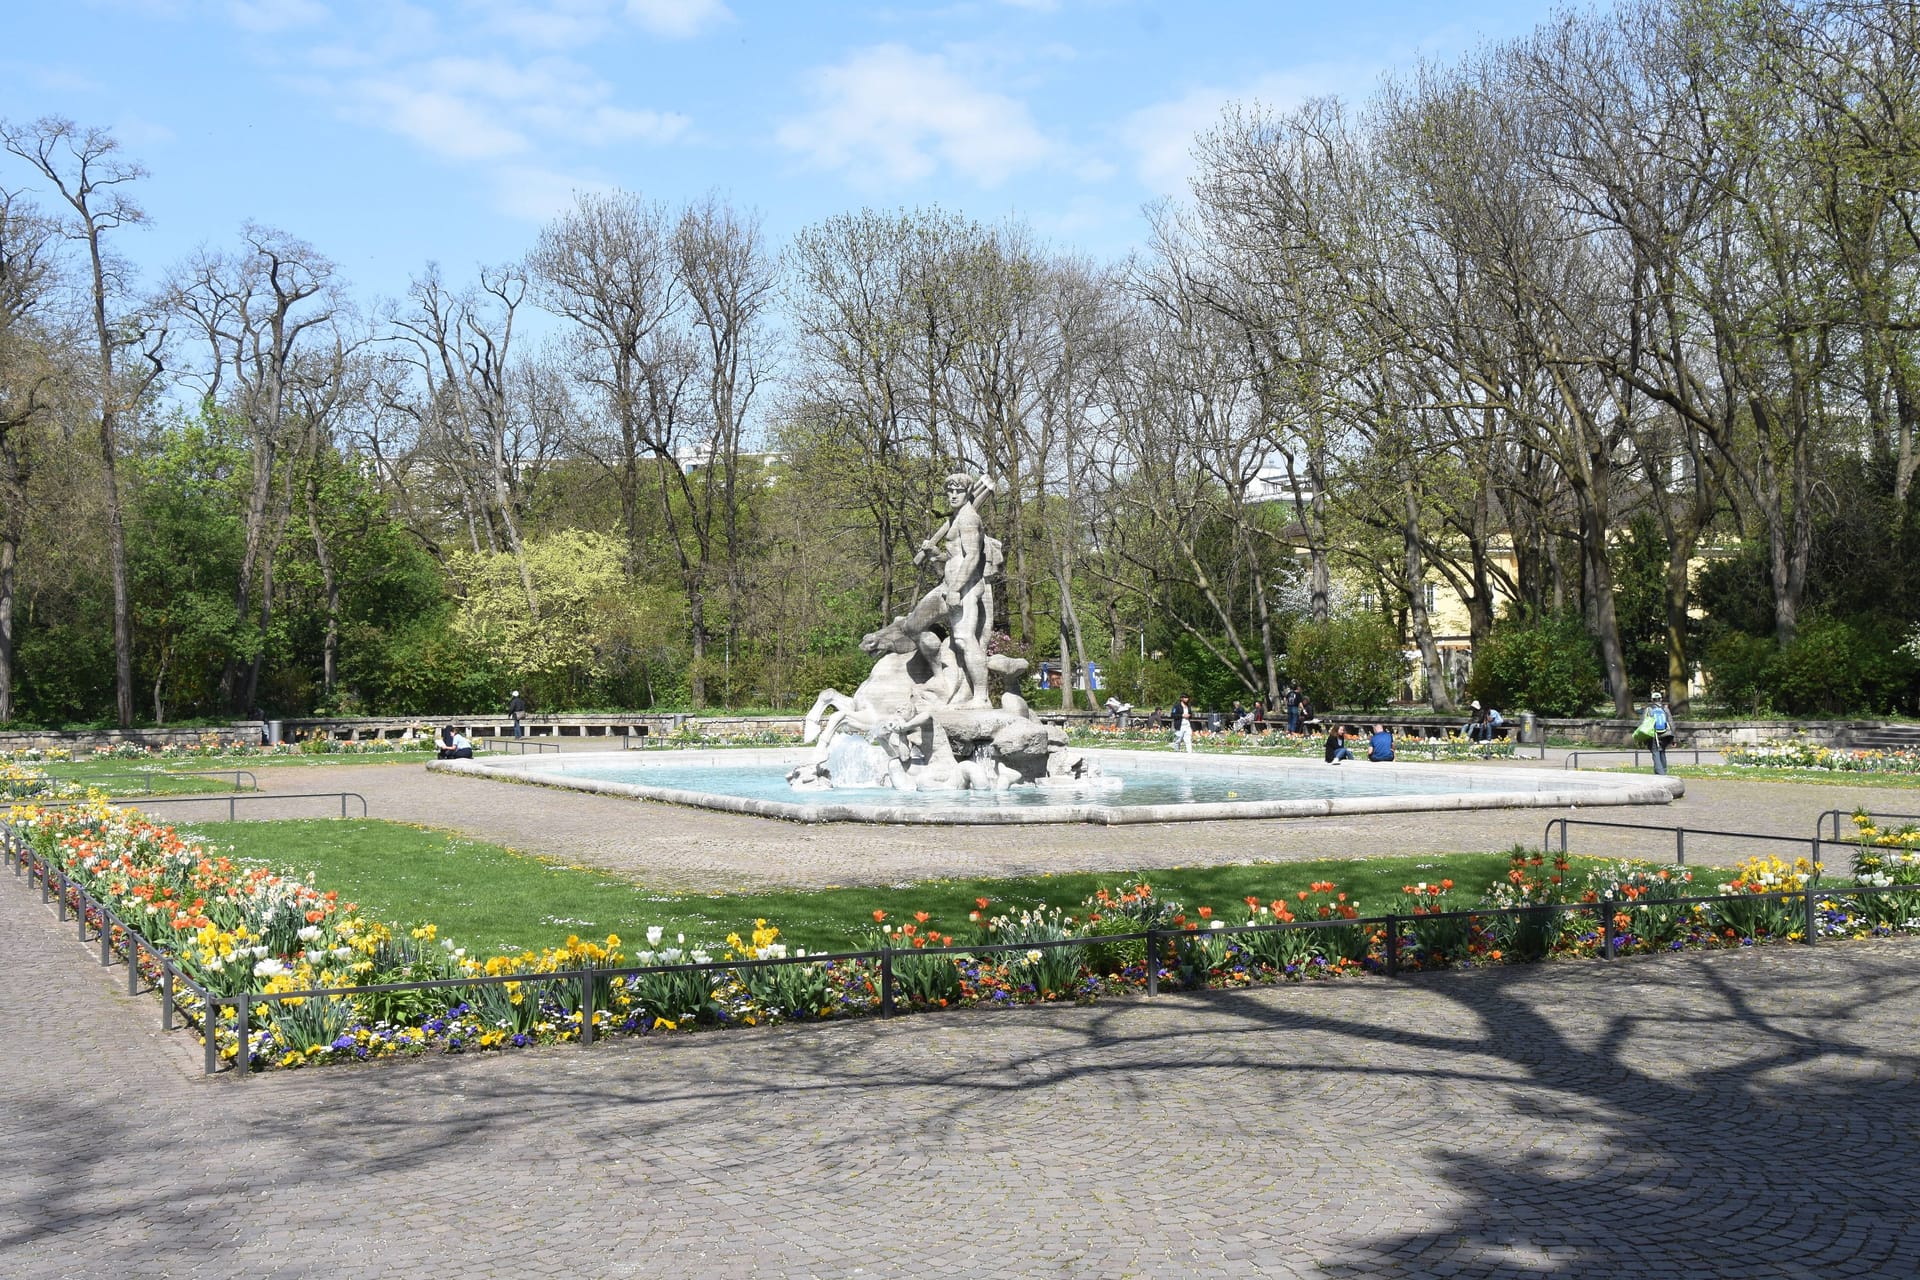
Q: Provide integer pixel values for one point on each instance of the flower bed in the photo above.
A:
(20, 781)
(1807, 755)
(236, 929)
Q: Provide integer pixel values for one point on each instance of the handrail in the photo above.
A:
(232, 799)
(1573, 757)
(1680, 835)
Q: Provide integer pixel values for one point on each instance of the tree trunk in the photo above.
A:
(330, 646)
(8, 550)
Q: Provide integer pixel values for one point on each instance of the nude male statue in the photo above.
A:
(965, 593)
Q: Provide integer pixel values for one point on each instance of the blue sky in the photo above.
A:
(391, 134)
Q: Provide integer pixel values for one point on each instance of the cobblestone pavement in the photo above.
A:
(1740, 1114)
(678, 849)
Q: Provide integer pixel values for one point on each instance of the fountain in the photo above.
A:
(923, 719)
(922, 740)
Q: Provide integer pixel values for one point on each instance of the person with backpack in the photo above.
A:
(517, 708)
(1655, 731)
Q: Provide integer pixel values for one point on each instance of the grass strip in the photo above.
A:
(493, 899)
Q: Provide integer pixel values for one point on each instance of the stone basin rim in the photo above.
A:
(1567, 791)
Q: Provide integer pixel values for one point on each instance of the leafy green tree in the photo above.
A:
(1548, 666)
(1350, 660)
(1639, 593)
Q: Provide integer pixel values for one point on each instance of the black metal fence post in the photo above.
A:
(1606, 929)
(1153, 962)
(1393, 946)
(209, 1020)
(242, 1059)
(1679, 846)
(586, 991)
(166, 992)
(886, 982)
(1813, 916)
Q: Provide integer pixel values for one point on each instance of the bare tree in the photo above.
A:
(86, 168)
(277, 356)
(29, 375)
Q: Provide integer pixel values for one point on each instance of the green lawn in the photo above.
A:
(154, 776)
(494, 899)
(1818, 777)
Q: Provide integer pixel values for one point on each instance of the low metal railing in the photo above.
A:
(1811, 843)
(1573, 757)
(146, 777)
(1391, 931)
(1838, 836)
(519, 746)
(233, 800)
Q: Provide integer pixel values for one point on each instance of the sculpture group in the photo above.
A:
(924, 719)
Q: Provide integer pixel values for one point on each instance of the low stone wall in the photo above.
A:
(1596, 730)
(86, 739)
(1714, 733)
(634, 725)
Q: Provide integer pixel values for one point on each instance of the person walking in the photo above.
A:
(1655, 731)
(1182, 718)
(517, 708)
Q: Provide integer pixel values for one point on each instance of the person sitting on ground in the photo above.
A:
(1380, 745)
(1337, 746)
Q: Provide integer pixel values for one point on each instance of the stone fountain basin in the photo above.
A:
(1357, 787)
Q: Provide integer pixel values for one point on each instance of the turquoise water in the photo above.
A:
(1137, 788)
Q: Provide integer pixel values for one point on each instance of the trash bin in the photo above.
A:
(274, 731)
(1213, 722)
(1528, 727)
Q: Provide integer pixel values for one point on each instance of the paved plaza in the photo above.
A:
(1738, 1114)
(697, 850)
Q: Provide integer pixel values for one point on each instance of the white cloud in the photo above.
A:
(537, 194)
(890, 114)
(138, 131)
(55, 79)
(447, 124)
(466, 108)
(1161, 136)
(558, 24)
(678, 19)
(264, 16)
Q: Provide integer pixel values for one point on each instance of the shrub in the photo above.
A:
(1837, 666)
(1738, 667)
(1350, 661)
(1548, 666)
